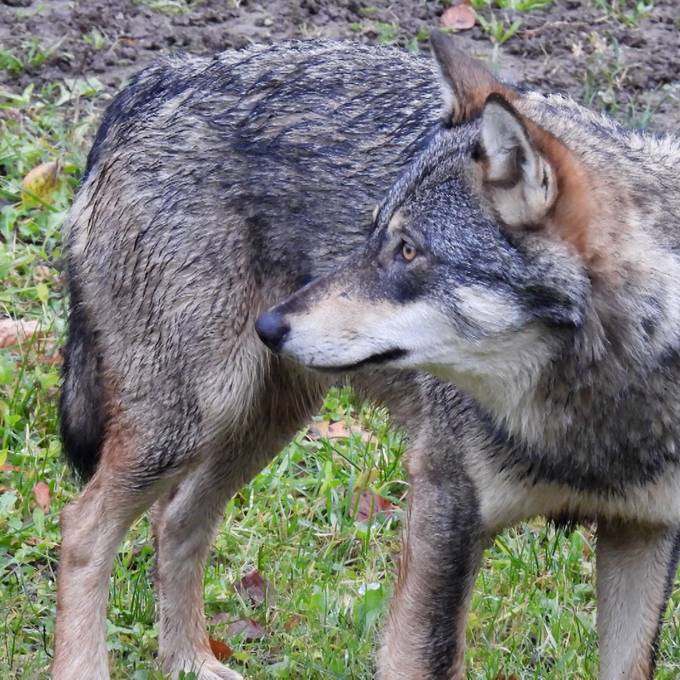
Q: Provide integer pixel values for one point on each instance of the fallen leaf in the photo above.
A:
(221, 651)
(251, 630)
(459, 17)
(323, 429)
(41, 491)
(221, 617)
(55, 359)
(39, 184)
(501, 676)
(255, 589)
(292, 623)
(10, 114)
(369, 504)
(14, 331)
(9, 468)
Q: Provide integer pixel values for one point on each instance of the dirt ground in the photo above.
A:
(628, 64)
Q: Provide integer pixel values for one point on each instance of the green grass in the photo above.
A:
(533, 609)
(32, 55)
(606, 76)
(516, 5)
(172, 7)
(628, 12)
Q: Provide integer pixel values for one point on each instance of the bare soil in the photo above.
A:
(630, 66)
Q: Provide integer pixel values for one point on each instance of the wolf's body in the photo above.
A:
(531, 256)
(215, 188)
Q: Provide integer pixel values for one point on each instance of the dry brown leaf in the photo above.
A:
(292, 623)
(323, 429)
(255, 589)
(55, 359)
(14, 331)
(251, 630)
(369, 504)
(41, 491)
(221, 617)
(221, 651)
(39, 184)
(459, 17)
(10, 114)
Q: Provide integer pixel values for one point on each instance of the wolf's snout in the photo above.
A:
(273, 329)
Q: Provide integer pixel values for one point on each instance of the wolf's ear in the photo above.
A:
(466, 82)
(529, 177)
(518, 180)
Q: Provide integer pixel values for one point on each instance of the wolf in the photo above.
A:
(216, 188)
(530, 256)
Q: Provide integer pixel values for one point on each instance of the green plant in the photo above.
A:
(10, 63)
(96, 39)
(498, 30)
(32, 55)
(605, 80)
(168, 7)
(515, 5)
(388, 33)
(628, 12)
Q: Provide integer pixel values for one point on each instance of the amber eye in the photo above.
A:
(408, 252)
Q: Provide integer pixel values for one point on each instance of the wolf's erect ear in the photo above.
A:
(529, 177)
(518, 180)
(467, 83)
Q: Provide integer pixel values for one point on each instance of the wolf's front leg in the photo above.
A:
(635, 571)
(441, 555)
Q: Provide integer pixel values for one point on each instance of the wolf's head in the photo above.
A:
(514, 230)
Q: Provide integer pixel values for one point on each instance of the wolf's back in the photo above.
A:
(261, 164)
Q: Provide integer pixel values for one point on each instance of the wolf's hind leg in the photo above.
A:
(185, 520)
(635, 570)
(441, 555)
(184, 523)
(92, 526)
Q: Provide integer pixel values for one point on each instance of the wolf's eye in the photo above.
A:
(408, 252)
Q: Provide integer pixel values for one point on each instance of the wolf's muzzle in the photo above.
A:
(272, 329)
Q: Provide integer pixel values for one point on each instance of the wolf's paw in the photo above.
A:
(207, 669)
(217, 671)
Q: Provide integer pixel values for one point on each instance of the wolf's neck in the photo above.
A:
(505, 384)
(611, 390)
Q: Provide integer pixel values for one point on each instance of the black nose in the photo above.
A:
(272, 329)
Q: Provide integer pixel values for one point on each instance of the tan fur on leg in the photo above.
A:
(184, 522)
(92, 527)
(633, 566)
